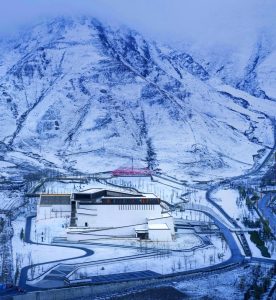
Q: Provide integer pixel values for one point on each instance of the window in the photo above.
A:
(142, 235)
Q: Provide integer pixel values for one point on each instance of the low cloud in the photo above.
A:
(212, 21)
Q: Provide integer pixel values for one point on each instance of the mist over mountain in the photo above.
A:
(79, 94)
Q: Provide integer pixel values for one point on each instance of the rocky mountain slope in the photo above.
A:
(76, 94)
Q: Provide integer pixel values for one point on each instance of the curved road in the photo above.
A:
(24, 271)
(236, 255)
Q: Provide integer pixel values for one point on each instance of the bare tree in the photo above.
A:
(179, 265)
(18, 264)
(32, 270)
(173, 267)
(29, 256)
(211, 259)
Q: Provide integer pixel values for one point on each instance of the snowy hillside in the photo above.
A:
(77, 94)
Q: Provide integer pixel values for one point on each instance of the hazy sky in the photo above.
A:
(218, 20)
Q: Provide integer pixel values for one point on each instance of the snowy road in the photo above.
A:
(24, 270)
(236, 255)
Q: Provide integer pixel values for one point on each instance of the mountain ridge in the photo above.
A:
(78, 86)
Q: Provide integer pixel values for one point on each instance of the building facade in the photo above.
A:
(53, 206)
(109, 214)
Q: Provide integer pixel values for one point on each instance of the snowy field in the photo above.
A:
(164, 263)
(191, 215)
(100, 253)
(182, 258)
(233, 205)
(164, 189)
(44, 230)
(59, 186)
(185, 240)
(27, 254)
(228, 199)
(225, 285)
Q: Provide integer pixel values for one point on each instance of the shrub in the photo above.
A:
(255, 238)
(251, 223)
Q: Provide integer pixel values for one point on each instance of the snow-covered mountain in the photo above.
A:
(76, 93)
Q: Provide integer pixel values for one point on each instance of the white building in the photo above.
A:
(101, 213)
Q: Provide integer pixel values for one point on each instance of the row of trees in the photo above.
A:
(260, 282)
(263, 235)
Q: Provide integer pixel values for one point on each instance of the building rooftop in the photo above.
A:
(108, 196)
(156, 226)
(142, 227)
(99, 196)
(115, 190)
(55, 199)
(94, 194)
(118, 191)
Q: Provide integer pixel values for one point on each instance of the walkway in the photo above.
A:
(117, 277)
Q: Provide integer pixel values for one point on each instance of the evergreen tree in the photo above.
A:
(22, 234)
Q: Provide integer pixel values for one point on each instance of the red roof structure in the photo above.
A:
(131, 172)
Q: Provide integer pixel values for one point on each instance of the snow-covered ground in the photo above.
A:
(229, 200)
(226, 285)
(234, 206)
(28, 254)
(44, 230)
(192, 215)
(48, 229)
(164, 263)
(168, 191)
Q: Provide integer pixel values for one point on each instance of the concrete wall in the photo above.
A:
(160, 235)
(98, 216)
(90, 292)
(167, 220)
(53, 211)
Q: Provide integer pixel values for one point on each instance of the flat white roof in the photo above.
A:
(156, 226)
(142, 227)
(149, 195)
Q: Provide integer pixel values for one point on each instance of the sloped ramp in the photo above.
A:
(115, 277)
